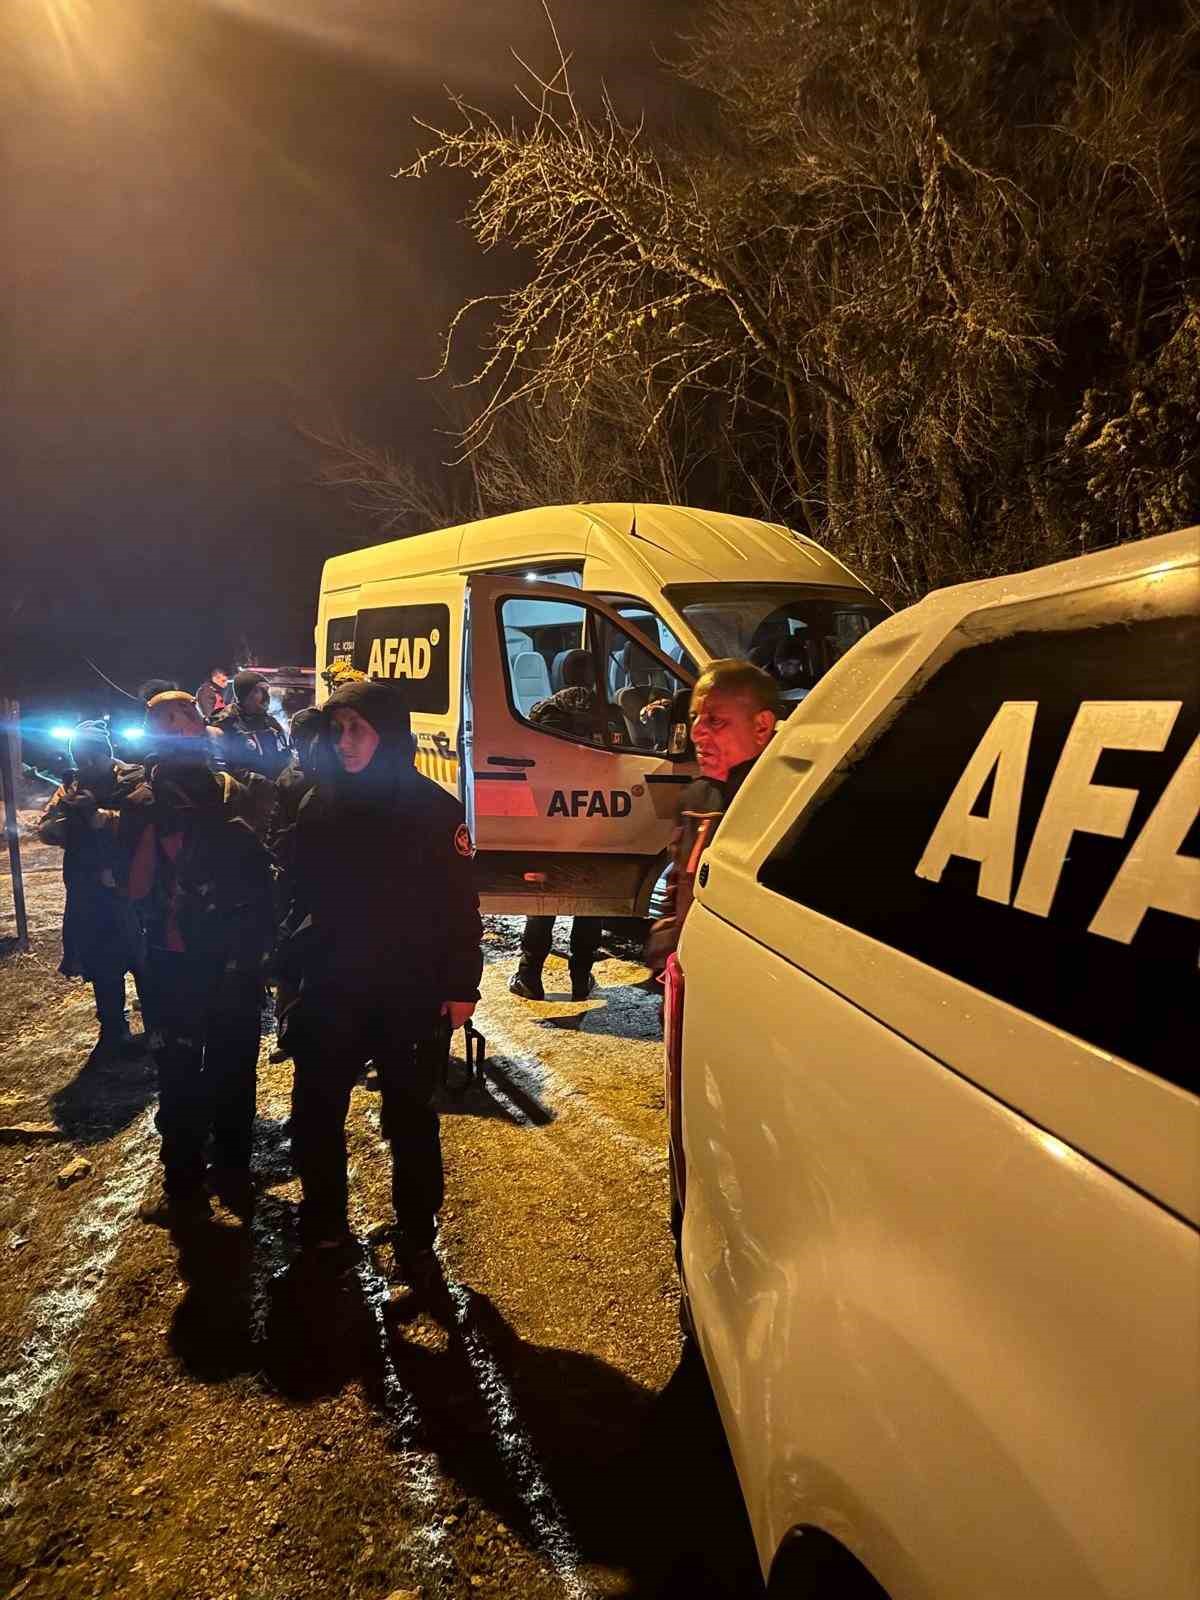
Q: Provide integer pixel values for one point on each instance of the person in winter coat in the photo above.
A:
(291, 786)
(202, 880)
(101, 939)
(248, 738)
(386, 950)
(734, 709)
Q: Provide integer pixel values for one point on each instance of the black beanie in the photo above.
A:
(246, 680)
(382, 705)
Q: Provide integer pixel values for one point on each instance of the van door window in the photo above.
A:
(574, 673)
(642, 619)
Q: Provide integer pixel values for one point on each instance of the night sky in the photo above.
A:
(205, 247)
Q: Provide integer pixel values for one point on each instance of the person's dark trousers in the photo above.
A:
(335, 1031)
(207, 1028)
(109, 988)
(231, 1066)
(586, 934)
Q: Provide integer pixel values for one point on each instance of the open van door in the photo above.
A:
(407, 632)
(570, 791)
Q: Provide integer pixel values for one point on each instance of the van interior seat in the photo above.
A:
(640, 679)
(573, 669)
(530, 680)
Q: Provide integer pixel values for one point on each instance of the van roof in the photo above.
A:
(671, 544)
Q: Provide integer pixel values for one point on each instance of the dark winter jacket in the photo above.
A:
(250, 741)
(199, 874)
(383, 893)
(99, 931)
(701, 806)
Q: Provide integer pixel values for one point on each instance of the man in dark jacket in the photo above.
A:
(388, 947)
(100, 934)
(734, 709)
(248, 738)
(203, 882)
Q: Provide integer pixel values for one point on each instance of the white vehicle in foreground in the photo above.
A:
(932, 1070)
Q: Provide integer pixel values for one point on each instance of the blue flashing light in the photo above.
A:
(61, 731)
(132, 732)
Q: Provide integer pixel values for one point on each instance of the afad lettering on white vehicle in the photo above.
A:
(1026, 823)
(590, 803)
(1155, 874)
(408, 645)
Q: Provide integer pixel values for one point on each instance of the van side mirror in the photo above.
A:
(679, 735)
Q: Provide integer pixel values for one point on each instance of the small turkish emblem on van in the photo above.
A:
(408, 645)
(1028, 824)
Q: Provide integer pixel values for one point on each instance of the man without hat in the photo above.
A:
(388, 946)
(203, 882)
(100, 933)
(734, 709)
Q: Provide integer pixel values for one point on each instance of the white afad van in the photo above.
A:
(933, 1066)
(484, 622)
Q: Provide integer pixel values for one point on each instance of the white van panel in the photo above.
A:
(891, 1272)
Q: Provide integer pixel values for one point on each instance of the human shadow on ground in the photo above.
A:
(564, 1448)
(104, 1096)
(551, 1437)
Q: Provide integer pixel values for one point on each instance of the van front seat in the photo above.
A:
(645, 680)
(530, 680)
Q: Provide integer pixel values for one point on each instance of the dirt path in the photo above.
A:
(224, 1421)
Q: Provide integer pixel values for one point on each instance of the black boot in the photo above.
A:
(582, 982)
(527, 982)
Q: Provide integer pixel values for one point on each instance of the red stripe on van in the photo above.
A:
(504, 800)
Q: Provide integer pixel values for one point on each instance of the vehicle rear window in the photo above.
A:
(1027, 824)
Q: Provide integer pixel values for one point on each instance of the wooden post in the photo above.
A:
(10, 767)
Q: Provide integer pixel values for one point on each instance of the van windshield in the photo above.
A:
(795, 632)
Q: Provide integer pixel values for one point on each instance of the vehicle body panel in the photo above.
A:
(940, 1248)
(560, 826)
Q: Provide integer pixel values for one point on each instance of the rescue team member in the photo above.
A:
(249, 739)
(218, 682)
(390, 943)
(735, 706)
(536, 939)
(203, 882)
(298, 777)
(291, 786)
(101, 939)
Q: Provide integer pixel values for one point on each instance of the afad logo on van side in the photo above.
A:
(402, 658)
(1154, 876)
(590, 803)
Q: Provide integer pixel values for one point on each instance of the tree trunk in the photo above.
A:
(800, 477)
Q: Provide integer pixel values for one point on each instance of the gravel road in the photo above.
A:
(221, 1420)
